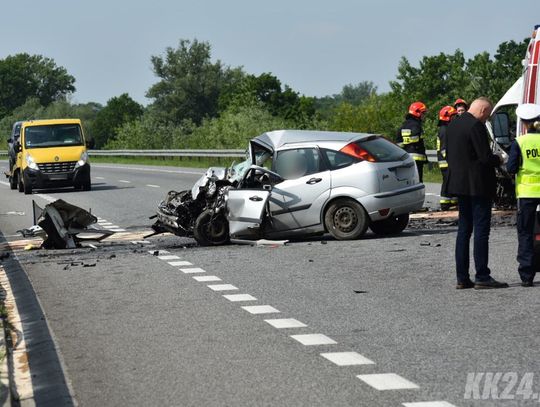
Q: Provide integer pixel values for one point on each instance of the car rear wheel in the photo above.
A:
(346, 219)
(210, 229)
(391, 226)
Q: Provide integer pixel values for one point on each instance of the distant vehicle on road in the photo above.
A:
(50, 153)
(297, 183)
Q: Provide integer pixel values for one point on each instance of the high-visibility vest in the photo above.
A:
(408, 138)
(528, 176)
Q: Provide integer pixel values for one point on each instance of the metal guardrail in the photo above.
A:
(432, 154)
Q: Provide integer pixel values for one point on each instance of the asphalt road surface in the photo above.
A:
(372, 322)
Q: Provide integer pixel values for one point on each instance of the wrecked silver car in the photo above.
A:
(297, 183)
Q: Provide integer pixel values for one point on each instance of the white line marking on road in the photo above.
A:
(153, 186)
(160, 252)
(202, 279)
(347, 358)
(180, 263)
(387, 381)
(99, 178)
(47, 197)
(222, 287)
(283, 323)
(4, 183)
(168, 257)
(429, 404)
(240, 297)
(260, 309)
(192, 270)
(124, 181)
(313, 339)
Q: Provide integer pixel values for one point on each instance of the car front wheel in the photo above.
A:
(391, 226)
(210, 229)
(346, 219)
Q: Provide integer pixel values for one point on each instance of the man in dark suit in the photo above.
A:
(471, 177)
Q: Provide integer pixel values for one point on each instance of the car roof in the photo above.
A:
(50, 122)
(278, 138)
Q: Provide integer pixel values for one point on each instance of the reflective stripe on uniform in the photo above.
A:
(443, 164)
(418, 157)
(408, 139)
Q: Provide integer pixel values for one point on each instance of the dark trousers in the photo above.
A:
(420, 168)
(526, 220)
(474, 215)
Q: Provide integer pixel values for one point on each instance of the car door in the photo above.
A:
(297, 201)
(245, 210)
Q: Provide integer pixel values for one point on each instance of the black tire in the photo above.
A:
(391, 226)
(27, 186)
(19, 182)
(345, 219)
(210, 229)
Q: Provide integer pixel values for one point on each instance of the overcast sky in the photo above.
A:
(314, 46)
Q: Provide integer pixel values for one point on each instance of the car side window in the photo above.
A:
(297, 163)
(338, 160)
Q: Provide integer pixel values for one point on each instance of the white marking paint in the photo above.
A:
(222, 287)
(206, 278)
(284, 323)
(313, 339)
(387, 381)
(192, 270)
(429, 404)
(347, 358)
(99, 178)
(180, 263)
(260, 309)
(168, 257)
(4, 183)
(153, 186)
(240, 297)
(47, 197)
(124, 181)
(160, 252)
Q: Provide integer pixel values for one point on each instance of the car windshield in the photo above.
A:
(55, 135)
(382, 149)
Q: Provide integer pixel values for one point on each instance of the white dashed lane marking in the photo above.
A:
(429, 404)
(99, 178)
(180, 263)
(206, 278)
(222, 287)
(284, 323)
(124, 181)
(240, 297)
(168, 257)
(192, 270)
(153, 186)
(313, 339)
(347, 358)
(260, 309)
(387, 381)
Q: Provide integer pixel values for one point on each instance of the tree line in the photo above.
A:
(197, 102)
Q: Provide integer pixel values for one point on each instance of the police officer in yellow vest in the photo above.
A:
(410, 135)
(524, 161)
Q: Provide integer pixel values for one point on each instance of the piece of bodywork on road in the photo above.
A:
(63, 225)
(298, 183)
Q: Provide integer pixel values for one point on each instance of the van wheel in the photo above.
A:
(391, 226)
(210, 229)
(346, 219)
(27, 186)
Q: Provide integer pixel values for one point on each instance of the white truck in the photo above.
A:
(504, 126)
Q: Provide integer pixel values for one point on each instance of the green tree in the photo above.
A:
(354, 95)
(190, 83)
(118, 110)
(24, 76)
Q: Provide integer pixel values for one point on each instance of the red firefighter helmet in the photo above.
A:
(417, 108)
(446, 113)
(460, 101)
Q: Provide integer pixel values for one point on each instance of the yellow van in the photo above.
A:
(51, 153)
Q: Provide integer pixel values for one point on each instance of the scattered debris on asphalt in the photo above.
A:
(4, 255)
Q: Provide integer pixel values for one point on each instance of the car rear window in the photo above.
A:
(382, 149)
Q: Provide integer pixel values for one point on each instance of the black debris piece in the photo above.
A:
(4, 256)
(89, 265)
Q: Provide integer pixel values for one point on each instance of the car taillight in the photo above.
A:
(355, 150)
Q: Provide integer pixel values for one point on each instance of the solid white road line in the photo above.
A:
(429, 404)
(260, 309)
(180, 263)
(206, 278)
(153, 186)
(192, 270)
(313, 339)
(347, 358)
(99, 178)
(168, 257)
(47, 197)
(222, 287)
(240, 297)
(4, 183)
(387, 381)
(283, 323)
(124, 181)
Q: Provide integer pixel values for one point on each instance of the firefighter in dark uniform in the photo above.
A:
(524, 161)
(446, 114)
(410, 136)
(461, 106)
